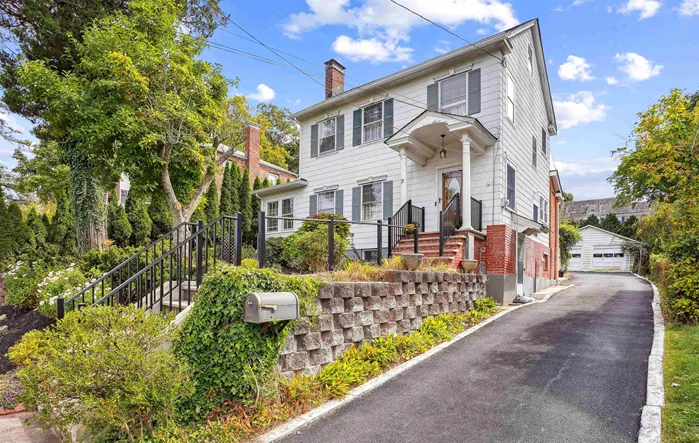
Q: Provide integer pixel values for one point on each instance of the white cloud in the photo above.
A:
(558, 9)
(578, 109)
(10, 122)
(593, 166)
(373, 50)
(576, 68)
(264, 93)
(385, 25)
(637, 67)
(580, 2)
(645, 8)
(689, 7)
(611, 81)
(443, 46)
(481, 31)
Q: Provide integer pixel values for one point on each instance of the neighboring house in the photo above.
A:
(248, 159)
(601, 207)
(463, 123)
(601, 250)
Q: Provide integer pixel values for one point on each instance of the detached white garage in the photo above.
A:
(601, 250)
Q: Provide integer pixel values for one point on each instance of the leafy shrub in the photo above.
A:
(568, 236)
(22, 282)
(250, 263)
(659, 269)
(248, 252)
(308, 251)
(140, 221)
(10, 390)
(103, 367)
(107, 259)
(118, 226)
(274, 251)
(683, 290)
(61, 283)
(159, 215)
(232, 360)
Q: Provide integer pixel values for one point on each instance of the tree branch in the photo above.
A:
(226, 155)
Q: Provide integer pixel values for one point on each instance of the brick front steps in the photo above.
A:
(428, 244)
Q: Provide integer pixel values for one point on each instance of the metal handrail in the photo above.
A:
(449, 220)
(408, 214)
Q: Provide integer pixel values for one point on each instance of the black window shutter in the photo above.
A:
(357, 127)
(388, 199)
(388, 118)
(433, 97)
(339, 201)
(314, 140)
(312, 204)
(474, 92)
(357, 204)
(340, 132)
(543, 140)
(536, 214)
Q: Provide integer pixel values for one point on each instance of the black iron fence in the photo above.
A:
(408, 215)
(164, 274)
(449, 221)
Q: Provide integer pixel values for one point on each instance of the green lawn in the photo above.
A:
(681, 366)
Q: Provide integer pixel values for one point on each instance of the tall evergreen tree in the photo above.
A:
(235, 185)
(591, 220)
(61, 232)
(159, 215)
(611, 223)
(7, 242)
(23, 235)
(266, 183)
(211, 208)
(118, 226)
(226, 189)
(35, 222)
(246, 208)
(141, 223)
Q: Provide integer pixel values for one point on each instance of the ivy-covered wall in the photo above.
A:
(356, 313)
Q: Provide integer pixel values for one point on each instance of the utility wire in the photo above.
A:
(445, 29)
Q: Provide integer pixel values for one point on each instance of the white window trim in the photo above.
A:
(530, 59)
(507, 96)
(280, 208)
(334, 149)
(535, 151)
(379, 201)
(334, 193)
(364, 123)
(466, 74)
(543, 210)
(512, 208)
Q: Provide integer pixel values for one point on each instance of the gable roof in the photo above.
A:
(497, 41)
(610, 233)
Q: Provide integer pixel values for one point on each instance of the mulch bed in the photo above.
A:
(19, 322)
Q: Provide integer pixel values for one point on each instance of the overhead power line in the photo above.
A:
(446, 29)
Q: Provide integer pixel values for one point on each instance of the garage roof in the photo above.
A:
(610, 233)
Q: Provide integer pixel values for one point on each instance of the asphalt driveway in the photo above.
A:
(572, 369)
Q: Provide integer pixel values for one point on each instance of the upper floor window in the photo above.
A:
(124, 194)
(511, 191)
(371, 201)
(373, 122)
(327, 133)
(543, 140)
(535, 151)
(453, 95)
(530, 59)
(510, 98)
(326, 202)
(543, 210)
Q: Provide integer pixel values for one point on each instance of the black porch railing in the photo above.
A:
(408, 215)
(477, 214)
(155, 279)
(449, 221)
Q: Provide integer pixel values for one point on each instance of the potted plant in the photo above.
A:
(468, 265)
(411, 261)
(409, 228)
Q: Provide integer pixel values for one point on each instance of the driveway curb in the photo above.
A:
(651, 415)
(331, 406)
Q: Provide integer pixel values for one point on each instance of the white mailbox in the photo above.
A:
(266, 307)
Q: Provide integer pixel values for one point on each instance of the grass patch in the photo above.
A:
(301, 394)
(354, 270)
(681, 367)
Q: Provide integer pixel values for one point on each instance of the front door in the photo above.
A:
(451, 185)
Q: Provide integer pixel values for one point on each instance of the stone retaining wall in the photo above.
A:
(357, 312)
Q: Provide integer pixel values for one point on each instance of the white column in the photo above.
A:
(403, 176)
(466, 193)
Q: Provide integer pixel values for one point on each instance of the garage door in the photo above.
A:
(608, 258)
(576, 261)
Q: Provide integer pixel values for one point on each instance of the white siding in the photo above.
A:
(595, 241)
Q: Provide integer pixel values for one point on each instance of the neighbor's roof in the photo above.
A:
(244, 156)
(576, 209)
(271, 190)
(496, 41)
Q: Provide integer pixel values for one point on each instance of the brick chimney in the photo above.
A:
(252, 149)
(334, 78)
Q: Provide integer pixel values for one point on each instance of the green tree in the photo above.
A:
(22, 234)
(279, 136)
(628, 228)
(118, 226)
(611, 223)
(7, 241)
(36, 223)
(567, 196)
(236, 177)
(568, 236)
(62, 230)
(246, 208)
(211, 207)
(141, 224)
(591, 220)
(159, 215)
(266, 183)
(225, 205)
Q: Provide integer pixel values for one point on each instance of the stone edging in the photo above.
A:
(17, 409)
(326, 408)
(651, 414)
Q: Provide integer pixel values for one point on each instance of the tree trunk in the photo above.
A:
(89, 202)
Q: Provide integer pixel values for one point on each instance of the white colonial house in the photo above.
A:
(462, 138)
(601, 250)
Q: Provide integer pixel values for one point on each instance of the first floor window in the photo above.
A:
(326, 135)
(511, 195)
(288, 211)
(369, 255)
(326, 202)
(373, 122)
(273, 211)
(371, 201)
(575, 255)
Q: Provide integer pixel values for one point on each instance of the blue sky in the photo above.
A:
(607, 60)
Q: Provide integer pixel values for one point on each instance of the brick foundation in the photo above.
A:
(501, 250)
(358, 312)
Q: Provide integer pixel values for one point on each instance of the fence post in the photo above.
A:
(331, 243)
(441, 233)
(60, 308)
(410, 211)
(261, 253)
(200, 251)
(390, 237)
(379, 242)
(238, 250)
(422, 221)
(416, 234)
